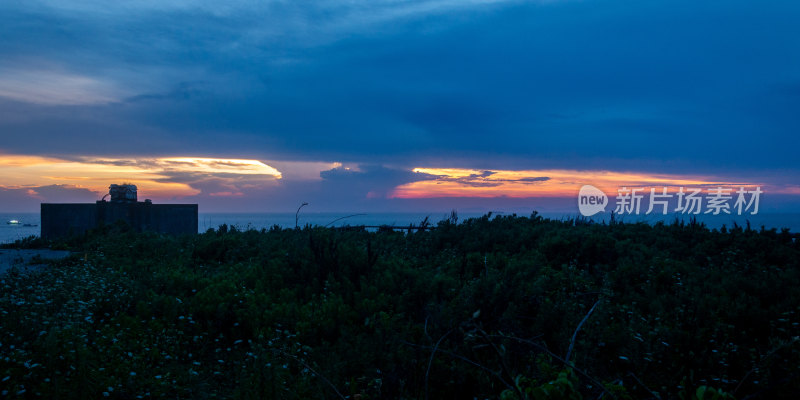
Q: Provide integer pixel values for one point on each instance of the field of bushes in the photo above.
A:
(499, 307)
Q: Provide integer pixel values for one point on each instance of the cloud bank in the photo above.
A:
(660, 87)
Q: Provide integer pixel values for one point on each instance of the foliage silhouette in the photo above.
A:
(479, 309)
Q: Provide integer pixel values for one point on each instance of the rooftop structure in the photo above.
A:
(124, 193)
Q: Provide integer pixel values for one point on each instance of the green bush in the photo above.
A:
(487, 308)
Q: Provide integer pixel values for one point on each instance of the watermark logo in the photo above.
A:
(634, 201)
(591, 200)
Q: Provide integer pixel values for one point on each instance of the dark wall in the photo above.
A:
(59, 220)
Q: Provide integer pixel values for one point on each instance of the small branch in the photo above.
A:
(768, 355)
(465, 359)
(317, 374)
(644, 386)
(575, 334)
(341, 218)
(503, 365)
(430, 362)
(563, 361)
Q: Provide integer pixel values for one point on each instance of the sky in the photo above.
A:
(393, 105)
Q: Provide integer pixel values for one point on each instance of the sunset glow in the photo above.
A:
(217, 166)
(156, 178)
(454, 182)
(395, 106)
(175, 178)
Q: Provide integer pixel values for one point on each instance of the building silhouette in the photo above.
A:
(66, 219)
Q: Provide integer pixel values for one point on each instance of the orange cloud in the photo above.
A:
(457, 182)
(156, 178)
(218, 166)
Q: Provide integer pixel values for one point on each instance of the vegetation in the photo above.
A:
(500, 308)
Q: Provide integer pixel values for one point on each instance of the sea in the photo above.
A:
(30, 223)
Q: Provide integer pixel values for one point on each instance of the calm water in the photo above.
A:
(9, 233)
(287, 220)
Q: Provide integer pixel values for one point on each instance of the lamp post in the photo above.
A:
(296, 215)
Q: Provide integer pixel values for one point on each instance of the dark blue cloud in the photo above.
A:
(27, 199)
(365, 182)
(665, 86)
